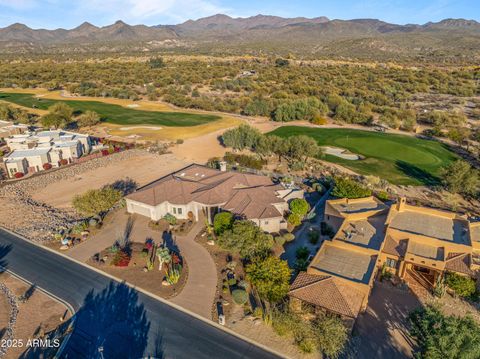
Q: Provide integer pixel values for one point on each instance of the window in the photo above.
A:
(174, 210)
(266, 222)
(391, 263)
(179, 211)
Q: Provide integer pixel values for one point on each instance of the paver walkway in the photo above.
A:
(198, 294)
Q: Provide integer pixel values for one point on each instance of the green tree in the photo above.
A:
(96, 201)
(270, 277)
(222, 222)
(89, 118)
(331, 335)
(282, 62)
(242, 137)
(347, 188)
(294, 219)
(60, 115)
(156, 63)
(441, 337)
(462, 285)
(302, 146)
(460, 177)
(247, 239)
(299, 206)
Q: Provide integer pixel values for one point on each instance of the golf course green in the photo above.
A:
(115, 114)
(400, 159)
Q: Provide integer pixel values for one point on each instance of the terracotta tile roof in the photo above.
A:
(395, 247)
(327, 292)
(459, 262)
(244, 194)
(254, 202)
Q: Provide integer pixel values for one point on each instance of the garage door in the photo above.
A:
(144, 211)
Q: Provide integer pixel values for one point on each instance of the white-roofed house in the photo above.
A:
(35, 159)
(33, 150)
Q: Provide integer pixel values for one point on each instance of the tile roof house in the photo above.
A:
(370, 235)
(197, 190)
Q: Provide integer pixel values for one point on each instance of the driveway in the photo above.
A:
(198, 294)
(381, 332)
(110, 315)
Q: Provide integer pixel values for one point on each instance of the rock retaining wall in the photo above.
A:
(39, 221)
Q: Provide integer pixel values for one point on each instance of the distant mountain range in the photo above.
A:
(261, 33)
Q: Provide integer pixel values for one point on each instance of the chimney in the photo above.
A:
(402, 201)
(223, 166)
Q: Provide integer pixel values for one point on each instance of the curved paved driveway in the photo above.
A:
(124, 322)
(199, 291)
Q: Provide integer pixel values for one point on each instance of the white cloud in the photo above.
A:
(137, 11)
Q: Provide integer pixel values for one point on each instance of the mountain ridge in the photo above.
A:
(264, 32)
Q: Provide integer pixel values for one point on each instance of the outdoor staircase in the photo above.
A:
(418, 285)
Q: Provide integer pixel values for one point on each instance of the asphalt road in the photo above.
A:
(111, 316)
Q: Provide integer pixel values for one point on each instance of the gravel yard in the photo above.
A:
(37, 316)
(37, 206)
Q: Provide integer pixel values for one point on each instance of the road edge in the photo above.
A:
(154, 296)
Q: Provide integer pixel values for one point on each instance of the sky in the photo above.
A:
(52, 14)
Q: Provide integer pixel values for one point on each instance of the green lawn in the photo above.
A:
(396, 158)
(114, 113)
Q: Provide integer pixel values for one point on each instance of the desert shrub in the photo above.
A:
(240, 296)
(302, 253)
(283, 322)
(170, 218)
(326, 334)
(319, 120)
(232, 282)
(258, 312)
(249, 161)
(294, 219)
(47, 166)
(320, 188)
(121, 259)
(348, 188)
(280, 241)
(289, 237)
(439, 336)
(326, 230)
(222, 222)
(179, 141)
(243, 284)
(383, 196)
(18, 175)
(96, 201)
(463, 286)
(313, 237)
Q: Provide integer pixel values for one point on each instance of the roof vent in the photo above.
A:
(196, 174)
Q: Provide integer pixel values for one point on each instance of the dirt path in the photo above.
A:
(143, 169)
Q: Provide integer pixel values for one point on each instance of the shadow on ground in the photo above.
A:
(417, 173)
(382, 331)
(111, 324)
(4, 250)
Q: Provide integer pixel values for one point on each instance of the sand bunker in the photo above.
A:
(340, 152)
(140, 128)
(133, 105)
